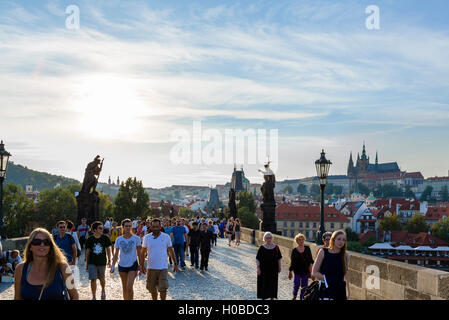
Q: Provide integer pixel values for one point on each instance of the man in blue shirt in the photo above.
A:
(66, 243)
(179, 237)
(222, 229)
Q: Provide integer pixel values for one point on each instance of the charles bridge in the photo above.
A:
(232, 275)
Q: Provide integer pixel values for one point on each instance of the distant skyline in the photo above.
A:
(136, 71)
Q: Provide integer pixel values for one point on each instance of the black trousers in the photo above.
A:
(204, 257)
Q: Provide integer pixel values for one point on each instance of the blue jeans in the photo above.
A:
(194, 255)
(179, 253)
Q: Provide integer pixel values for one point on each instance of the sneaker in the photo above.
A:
(197, 267)
(201, 268)
(205, 268)
(191, 265)
(103, 295)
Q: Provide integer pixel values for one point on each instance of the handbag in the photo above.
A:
(316, 291)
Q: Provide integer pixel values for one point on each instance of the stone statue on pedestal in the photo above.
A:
(88, 200)
(268, 205)
(231, 204)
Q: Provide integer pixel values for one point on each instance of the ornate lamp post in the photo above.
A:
(322, 169)
(4, 157)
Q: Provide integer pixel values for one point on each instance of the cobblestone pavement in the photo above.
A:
(231, 275)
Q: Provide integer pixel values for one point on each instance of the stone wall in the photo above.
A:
(396, 280)
(14, 244)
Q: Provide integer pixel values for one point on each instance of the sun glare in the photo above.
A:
(110, 108)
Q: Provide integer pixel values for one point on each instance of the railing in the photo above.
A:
(376, 278)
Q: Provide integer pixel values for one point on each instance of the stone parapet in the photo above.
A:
(374, 278)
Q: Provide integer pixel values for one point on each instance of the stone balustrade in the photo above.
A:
(395, 281)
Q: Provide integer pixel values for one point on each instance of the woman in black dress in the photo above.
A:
(268, 261)
(332, 263)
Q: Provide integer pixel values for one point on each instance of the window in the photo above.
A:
(307, 225)
(285, 224)
(300, 224)
(285, 233)
(342, 226)
(332, 225)
(307, 234)
(314, 224)
(292, 234)
(292, 224)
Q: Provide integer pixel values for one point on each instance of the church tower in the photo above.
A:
(350, 171)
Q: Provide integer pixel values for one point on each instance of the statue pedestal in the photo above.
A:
(269, 221)
(88, 207)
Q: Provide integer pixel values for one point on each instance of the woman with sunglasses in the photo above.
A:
(44, 273)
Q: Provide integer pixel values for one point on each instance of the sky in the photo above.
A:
(135, 78)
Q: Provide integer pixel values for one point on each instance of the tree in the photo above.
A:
(351, 235)
(426, 195)
(248, 218)
(444, 194)
(363, 189)
(408, 193)
(106, 207)
(390, 223)
(246, 199)
(417, 224)
(124, 205)
(441, 229)
(186, 213)
(246, 210)
(302, 189)
(54, 205)
(388, 190)
(17, 209)
(315, 190)
(355, 246)
(74, 188)
(288, 189)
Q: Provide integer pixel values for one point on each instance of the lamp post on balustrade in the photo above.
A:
(4, 158)
(322, 170)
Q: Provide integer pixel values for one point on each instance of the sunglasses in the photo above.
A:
(100, 228)
(38, 242)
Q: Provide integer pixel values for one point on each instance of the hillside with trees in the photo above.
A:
(21, 175)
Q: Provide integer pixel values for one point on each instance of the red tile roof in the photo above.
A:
(416, 175)
(287, 211)
(438, 178)
(437, 213)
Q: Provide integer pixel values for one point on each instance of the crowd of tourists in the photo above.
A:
(49, 258)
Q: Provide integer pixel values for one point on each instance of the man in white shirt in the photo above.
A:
(135, 226)
(157, 244)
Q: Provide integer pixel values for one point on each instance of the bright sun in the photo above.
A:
(110, 107)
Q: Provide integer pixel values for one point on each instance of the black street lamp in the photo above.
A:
(4, 157)
(322, 169)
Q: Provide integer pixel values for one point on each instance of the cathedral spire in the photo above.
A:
(377, 160)
(364, 152)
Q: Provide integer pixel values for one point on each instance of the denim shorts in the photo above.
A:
(134, 267)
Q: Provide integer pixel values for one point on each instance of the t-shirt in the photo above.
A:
(107, 225)
(194, 237)
(98, 247)
(157, 250)
(216, 229)
(9, 259)
(187, 231)
(65, 244)
(128, 253)
(205, 239)
(83, 230)
(75, 237)
(178, 234)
